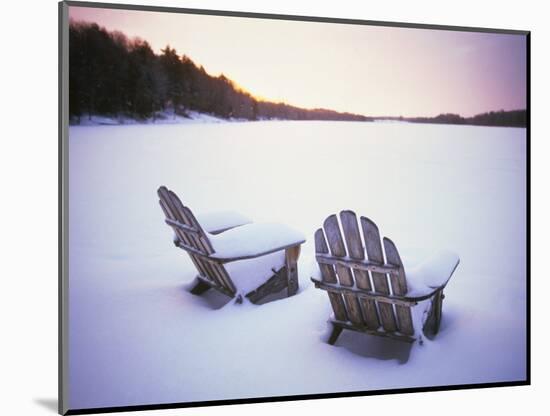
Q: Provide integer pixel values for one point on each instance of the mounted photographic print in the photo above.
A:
(264, 208)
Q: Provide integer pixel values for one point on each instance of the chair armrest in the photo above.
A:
(432, 275)
(217, 222)
(253, 240)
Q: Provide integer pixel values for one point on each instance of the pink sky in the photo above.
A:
(361, 69)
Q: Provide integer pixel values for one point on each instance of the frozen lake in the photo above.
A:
(138, 337)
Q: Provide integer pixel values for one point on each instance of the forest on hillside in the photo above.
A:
(112, 75)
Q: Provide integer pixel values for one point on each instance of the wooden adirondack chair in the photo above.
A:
(242, 240)
(370, 294)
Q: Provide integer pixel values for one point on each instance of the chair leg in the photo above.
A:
(336, 331)
(433, 321)
(291, 263)
(438, 311)
(200, 288)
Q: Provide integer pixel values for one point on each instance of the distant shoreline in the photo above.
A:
(194, 117)
(513, 118)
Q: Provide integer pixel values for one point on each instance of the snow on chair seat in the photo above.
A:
(372, 295)
(232, 239)
(253, 240)
(217, 222)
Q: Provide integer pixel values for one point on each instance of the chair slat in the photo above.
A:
(370, 313)
(355, 246)
(357, 251)
(327, 271)
(202, 240)
(328, 275)
(354, 309)
(334, 237)
(172, 208)
(338, 306)
(172, 212)
(199, 241)
(193, 239)
(398, 281)
(337, 248)
(380, 280)
(168, 214)
(372, 240)
(399, 287)
(352, 235)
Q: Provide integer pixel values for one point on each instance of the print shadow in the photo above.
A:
(371, 346)
(283, 294)
(48, 404)
(211, 299)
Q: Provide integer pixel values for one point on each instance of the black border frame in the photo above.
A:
(63, 208)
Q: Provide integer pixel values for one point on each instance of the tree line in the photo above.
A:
(112, 75)
(514, 118)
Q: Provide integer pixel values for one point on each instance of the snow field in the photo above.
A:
(137, 336)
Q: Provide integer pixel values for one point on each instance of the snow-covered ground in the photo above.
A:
(137, 336)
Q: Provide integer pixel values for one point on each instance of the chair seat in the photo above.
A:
(253, 240)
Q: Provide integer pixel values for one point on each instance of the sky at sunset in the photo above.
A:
(361, 69)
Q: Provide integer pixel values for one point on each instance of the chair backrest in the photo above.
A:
(371, 284)
(192, 238)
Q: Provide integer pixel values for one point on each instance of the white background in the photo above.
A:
(28, 220)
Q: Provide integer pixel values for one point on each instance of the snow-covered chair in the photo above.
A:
(221, 244)
(372, 295)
